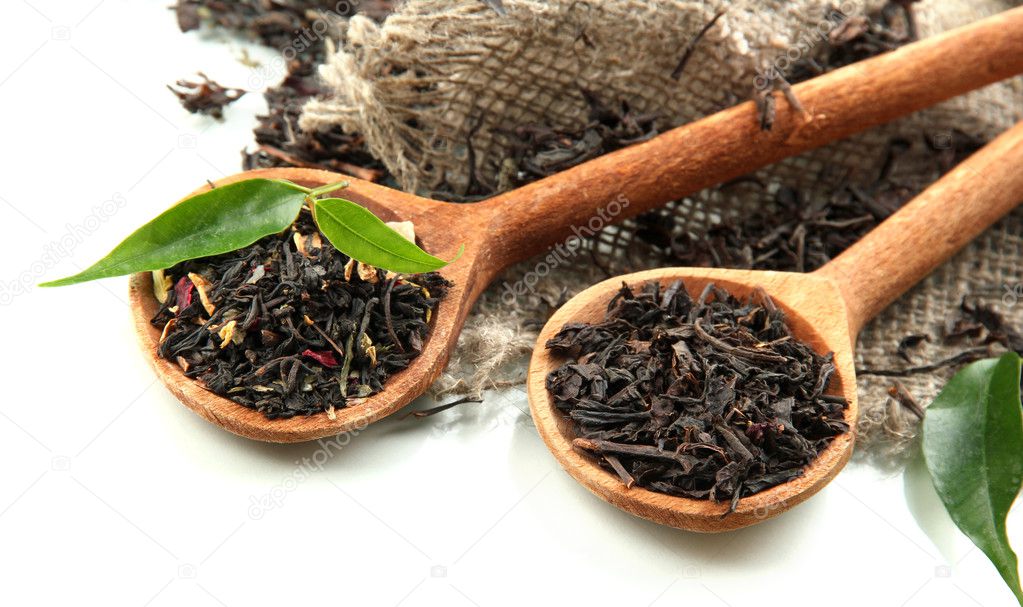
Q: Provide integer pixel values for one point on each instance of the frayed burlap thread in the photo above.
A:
(439, 76)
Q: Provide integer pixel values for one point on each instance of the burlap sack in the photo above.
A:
(438, 72)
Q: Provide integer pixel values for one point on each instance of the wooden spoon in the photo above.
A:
(518, 224)
(826, 309)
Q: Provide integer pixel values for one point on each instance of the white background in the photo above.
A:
(111, 491)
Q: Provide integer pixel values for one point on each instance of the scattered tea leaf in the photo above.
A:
(224, 219)
(205, 96)
(973, 447)
(361, 235)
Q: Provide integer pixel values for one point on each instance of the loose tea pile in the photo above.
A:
(859, 37)
(291, 326)
(541, 151)
(708, 399)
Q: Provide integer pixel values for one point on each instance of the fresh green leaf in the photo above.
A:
(224, 219)
(361, 235)
(973, 446)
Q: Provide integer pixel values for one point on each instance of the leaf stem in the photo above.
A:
(326, 189)
(312, 193)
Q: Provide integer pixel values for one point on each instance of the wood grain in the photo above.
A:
(513, 226)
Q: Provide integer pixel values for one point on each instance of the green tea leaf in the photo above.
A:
(973, 446)
(361, 235)
(224, 219)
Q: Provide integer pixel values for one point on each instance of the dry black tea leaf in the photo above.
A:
(910, 342)
(290, 328)
(205, 96)
(712, 398)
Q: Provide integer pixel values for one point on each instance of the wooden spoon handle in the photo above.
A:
(730, 143)
(907, 246)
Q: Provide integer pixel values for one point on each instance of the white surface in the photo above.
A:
(113, 491)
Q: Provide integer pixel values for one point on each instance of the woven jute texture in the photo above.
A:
(438, 74)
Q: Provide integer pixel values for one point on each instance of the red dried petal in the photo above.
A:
(325, 358)
(183, 293)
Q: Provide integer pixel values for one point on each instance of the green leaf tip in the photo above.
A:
(363, 236)
(973, 448)
(220, 220)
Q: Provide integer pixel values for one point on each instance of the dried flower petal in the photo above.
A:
(429, 312)
(183, 293)
(313, 241)
(161, 285)
(348, 269)
(226, 332)
(257, 273)
(167, 328)
(325, 358)
(368, 273)
(203, 286)
(300, 241)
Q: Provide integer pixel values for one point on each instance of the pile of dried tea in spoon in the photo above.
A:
(708, 399)
(290, 325)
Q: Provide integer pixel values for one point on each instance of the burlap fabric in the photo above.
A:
(438, 73)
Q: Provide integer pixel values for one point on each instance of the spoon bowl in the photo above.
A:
(431, 220)
(815, 312)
